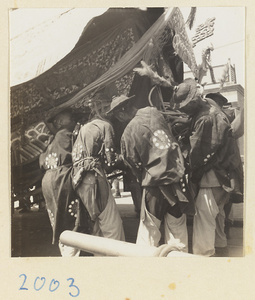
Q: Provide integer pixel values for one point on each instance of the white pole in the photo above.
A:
(109, 247)
(104, 246)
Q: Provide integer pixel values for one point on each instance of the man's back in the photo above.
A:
(212, 145)
(58, 152)
(150, 147)
(95, 138)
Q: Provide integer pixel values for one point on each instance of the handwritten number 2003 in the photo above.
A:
(54, 285)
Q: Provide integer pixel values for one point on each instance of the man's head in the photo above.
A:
(64, 120)
(218, 98)
(187, 96)
(122, 108)
(192, 107)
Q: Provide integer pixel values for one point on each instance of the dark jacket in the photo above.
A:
(93, 149)
(214, 147)
(63, 206)
(149, 147)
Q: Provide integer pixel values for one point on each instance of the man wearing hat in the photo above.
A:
(64, 208)
(220, 101)
(215, 167)
(237, 125)
(93, 152)
(150, 150)
(218, 98)
(237, 122)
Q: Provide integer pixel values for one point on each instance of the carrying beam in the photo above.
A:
(108, 247)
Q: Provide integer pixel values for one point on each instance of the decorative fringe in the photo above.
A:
(224, 76)
(156, 79)
(191, 17)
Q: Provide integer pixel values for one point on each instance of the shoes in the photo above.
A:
(117, 195)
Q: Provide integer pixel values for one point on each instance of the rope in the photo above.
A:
(149, 97)
(173, 114)
(165, 249)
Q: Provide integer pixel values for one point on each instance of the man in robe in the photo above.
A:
(215, 167)
(150, 150)
(93, 152)
(237, 125)
(64, 208)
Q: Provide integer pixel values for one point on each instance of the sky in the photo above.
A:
(228, 38)
(41, 37)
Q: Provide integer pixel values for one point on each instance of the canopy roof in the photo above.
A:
(98, 67)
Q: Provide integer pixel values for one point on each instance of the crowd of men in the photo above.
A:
(172, 177)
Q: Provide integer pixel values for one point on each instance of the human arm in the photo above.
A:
(130, 157)
(204, 142)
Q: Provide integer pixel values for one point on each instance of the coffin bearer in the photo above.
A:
(237, 122)
(63, 206)
(93, 151)
(149, 149)
(215, 165)
(237, 125)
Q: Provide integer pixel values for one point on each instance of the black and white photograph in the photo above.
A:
(135, 135)
(127, 143)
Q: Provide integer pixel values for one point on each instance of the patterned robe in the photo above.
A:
(63, 206)
(214, 147)
(92, 152)
(152, 152)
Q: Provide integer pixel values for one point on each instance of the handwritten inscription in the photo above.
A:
(41, 282)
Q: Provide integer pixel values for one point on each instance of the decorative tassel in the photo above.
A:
(224, 76)
(191, 17)
(156, 79)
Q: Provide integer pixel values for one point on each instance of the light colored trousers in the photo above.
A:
(95, 193)
(149, 228)
(109, 223)
(209, 221)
